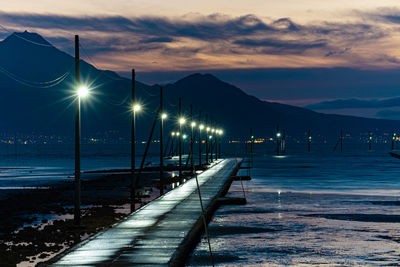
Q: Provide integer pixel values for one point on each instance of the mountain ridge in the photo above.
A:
(51, 109)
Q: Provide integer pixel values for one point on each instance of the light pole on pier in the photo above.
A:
(81, 92)
(162, 118)
(135, 108)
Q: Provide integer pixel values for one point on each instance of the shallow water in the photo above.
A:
(303, 208)
(318, 208)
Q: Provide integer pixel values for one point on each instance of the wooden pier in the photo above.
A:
(161, 233)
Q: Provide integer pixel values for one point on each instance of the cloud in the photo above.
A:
(277, 44)
(355, 104)
(219, 41)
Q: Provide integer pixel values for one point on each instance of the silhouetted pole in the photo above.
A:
(219, 149)
(161, 142)
(191, 139)
(207, 129)
(341, 140)
(180, 138)
(369, 140)
(278, 143)
(284, 142)
(216, 144)
(77, 200)
(199, 129)
(211, 142)
(309, 140)
(393, 139)
(133, 143)
(251, 141)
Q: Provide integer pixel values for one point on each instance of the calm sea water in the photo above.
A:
(317, 208)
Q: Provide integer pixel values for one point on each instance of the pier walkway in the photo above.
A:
(161, 233)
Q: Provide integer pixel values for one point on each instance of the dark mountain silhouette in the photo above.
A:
(26, 105)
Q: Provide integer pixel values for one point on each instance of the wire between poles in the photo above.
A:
(204, 219)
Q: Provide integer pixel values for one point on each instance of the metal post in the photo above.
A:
(180, 138)
(191, 139)
(309, 140)
(133, 145)
(200, 145)
(161, 143)
(278, 141)
(219, 149)
(77, 200)
(210, 148)
(206, 139)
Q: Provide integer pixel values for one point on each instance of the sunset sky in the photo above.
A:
(163, 40)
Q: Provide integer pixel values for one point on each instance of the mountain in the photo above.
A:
(27, 105)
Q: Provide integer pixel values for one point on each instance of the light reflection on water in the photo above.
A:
(311, 209)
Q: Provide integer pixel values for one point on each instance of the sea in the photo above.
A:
(318, 208)
(321, 207)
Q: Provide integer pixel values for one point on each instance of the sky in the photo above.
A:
(289, 51)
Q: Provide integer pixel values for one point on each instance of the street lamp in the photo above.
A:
(220, 132)
(163, 117)
(181, 122)
(81, 92)
(136, 107)
(201, 127)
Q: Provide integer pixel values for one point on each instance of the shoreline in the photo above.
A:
(37, 224)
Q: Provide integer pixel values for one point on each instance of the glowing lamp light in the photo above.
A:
(173, 133)
(212, 130)
(164, 116)
(177, 134)
(193, 124)
(182, 121)
(278, 134)
(136, 107)
(210, 136)
(201, 127)
(83, 91)
(184, 136)
(208, 129)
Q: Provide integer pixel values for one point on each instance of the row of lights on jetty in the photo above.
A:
(83, 92)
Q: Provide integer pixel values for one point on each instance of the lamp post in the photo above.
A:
(201, 127)
(181, 123)
(135, 108)
(81, 92)
(220, 132)
(163, 117)
(212, 142)
(207, 130)
(193, 125)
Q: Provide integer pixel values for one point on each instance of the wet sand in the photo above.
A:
(36, 224)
